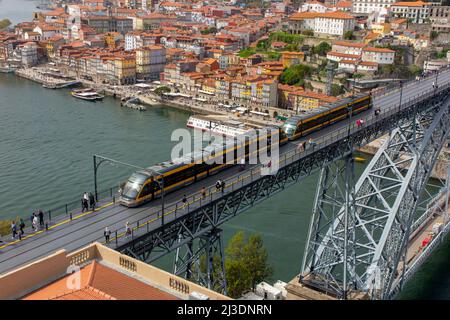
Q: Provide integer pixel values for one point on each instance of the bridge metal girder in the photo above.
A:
(365, 244)
(162, 240)
(205, 265)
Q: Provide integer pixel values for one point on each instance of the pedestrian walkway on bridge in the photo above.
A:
(87, 227)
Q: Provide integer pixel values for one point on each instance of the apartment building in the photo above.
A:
(150, 62)
(138, 39)
(370, 6)
(378, 55)
(355, 57)
(440, 18)
(304, 100)
(327, 23)
(29, 54)
(416, 12)
(104, 24)
(123, 69)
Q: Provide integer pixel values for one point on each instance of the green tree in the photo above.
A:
(247, 52)
(4, 23)
(348, 35)
(273, 56)
(336, 90)
(433, 35)
(295, 75)
(160, 90)
(246, 264)
(308, 33)
(322, 48)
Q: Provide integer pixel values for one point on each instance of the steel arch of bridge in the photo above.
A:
(359, 233)
(199, 219)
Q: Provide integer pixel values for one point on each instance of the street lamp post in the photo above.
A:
(401, 94)
(161, 187)
(102, 160)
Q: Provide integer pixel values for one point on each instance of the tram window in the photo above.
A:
(146, 190)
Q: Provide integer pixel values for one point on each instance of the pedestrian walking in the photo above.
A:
(242, 164)
(35, 223)
(21, 226)
(312, 143)
(222, 186)
(218, 184)
(127, 230)
(203, 192)
(83, 204)
(32, 218)
(184, 200)
(91, 201)
(107, 234)
(13, 229)
(41, 218)
(86, 196)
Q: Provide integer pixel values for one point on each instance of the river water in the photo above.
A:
(18, 10)
(47, 139)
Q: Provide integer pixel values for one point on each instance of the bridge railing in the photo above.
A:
(71, 209)
(423, 256)
(196, 200)
(407, 83)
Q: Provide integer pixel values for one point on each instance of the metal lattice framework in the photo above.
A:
(359, 233)
(205, 264)
(200, 220)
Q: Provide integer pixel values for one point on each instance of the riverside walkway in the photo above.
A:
(85, 228)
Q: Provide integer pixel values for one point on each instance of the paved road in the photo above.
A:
(72, 235)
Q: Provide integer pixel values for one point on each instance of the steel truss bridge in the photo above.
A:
(360, 230)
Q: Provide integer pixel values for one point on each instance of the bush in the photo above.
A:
(295, 75)
(348, 35)
(247, 52)
(322, 48)
(160, 90)
(286, 37)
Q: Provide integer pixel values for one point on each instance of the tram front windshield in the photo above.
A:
(289, 129)
(133, 186)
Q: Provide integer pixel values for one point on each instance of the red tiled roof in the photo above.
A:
(99, 282)
(312, 15)
(409, 4)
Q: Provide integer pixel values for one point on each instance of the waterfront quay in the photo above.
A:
(48, 79)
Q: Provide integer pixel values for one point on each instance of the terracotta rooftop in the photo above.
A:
(349, 44)
(409, 4)
(99, 282)
(312, 15)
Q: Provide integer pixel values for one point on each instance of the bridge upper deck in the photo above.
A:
(88, 227)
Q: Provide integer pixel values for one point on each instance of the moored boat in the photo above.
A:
(87, 94)
(229, 128)
(6, 70)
